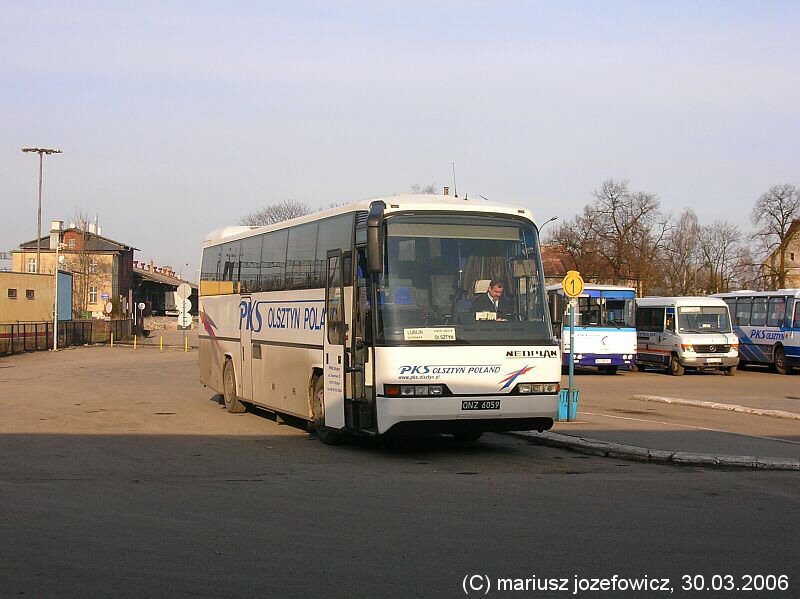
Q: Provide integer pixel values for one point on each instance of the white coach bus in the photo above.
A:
(605, 334)
(362, 319)
(767, 324)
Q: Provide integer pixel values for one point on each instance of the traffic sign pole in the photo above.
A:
(573, 287)
(571, 346)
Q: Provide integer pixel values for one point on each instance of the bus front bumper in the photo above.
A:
(458, 414)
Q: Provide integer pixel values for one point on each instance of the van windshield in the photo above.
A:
(703, 319)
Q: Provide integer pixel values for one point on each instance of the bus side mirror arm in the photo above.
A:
(375, 237)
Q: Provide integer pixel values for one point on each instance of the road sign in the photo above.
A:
(141, 306)
(184, 305)
(183, 291)
(184, 319)
(573, 283)
(109, 307)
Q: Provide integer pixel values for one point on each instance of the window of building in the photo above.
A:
(92, 295)
(31, 264)
(71, 244)
(12, 294)
(93, 266)
(29, 294)
(791, 256)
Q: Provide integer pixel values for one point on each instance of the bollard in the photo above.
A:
(186, 345)
(112, 340)
(134, 342)
(161, 343)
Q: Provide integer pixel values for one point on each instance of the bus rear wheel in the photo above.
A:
(779, 359)
(326, 435)
(675, 367)
(232, 403)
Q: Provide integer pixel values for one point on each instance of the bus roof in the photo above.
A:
(703, 300)
(395, 203)
(751, 293)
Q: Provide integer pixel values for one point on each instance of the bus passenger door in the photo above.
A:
(246, 352)
(333, 344)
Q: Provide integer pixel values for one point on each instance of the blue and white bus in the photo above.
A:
(605, 333)
(360, 319)
(768, 326)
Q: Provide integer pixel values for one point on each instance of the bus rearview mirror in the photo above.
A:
(375, 237)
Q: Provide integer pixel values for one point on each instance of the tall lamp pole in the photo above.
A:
(549, 220)
(41, 152)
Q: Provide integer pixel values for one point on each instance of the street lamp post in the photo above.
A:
(549, 220)
(41, 152)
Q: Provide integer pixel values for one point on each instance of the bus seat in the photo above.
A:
(480, 286)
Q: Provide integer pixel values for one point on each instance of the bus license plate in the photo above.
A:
(603, 361)
(480, 404)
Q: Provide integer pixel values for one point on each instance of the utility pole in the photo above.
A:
(41, 152)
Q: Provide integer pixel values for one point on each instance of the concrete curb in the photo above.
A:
(643, 454)
(717, 406)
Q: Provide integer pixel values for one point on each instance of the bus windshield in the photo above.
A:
(600, 311)
(703, 319)
(437, 273)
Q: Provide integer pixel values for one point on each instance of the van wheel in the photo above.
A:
(730, 371)
(779, 358)
(232, 403)
(675, 368)
(326, 435)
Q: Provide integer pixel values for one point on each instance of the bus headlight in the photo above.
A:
(415, 390)
(536, 388)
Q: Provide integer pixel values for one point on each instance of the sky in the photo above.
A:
(177, 118)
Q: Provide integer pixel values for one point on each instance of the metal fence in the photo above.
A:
(22, 337)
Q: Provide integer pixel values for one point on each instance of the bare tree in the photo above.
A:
(628, 231)
(90, 269)
(719, 243)
(682, 256)
(276, 213)
(774, 213)
(428, 189)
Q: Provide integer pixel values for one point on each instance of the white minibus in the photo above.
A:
(685, 332)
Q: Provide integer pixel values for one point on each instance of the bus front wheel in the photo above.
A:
(675, 367)
(326, 435)
(232, 403)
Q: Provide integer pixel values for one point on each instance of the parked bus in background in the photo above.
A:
(359, 319)
(605, 335)
(685, 332)
(768, 326)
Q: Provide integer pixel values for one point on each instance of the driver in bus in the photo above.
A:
(492, 301)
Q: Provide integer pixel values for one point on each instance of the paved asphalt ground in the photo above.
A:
(121, 476)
